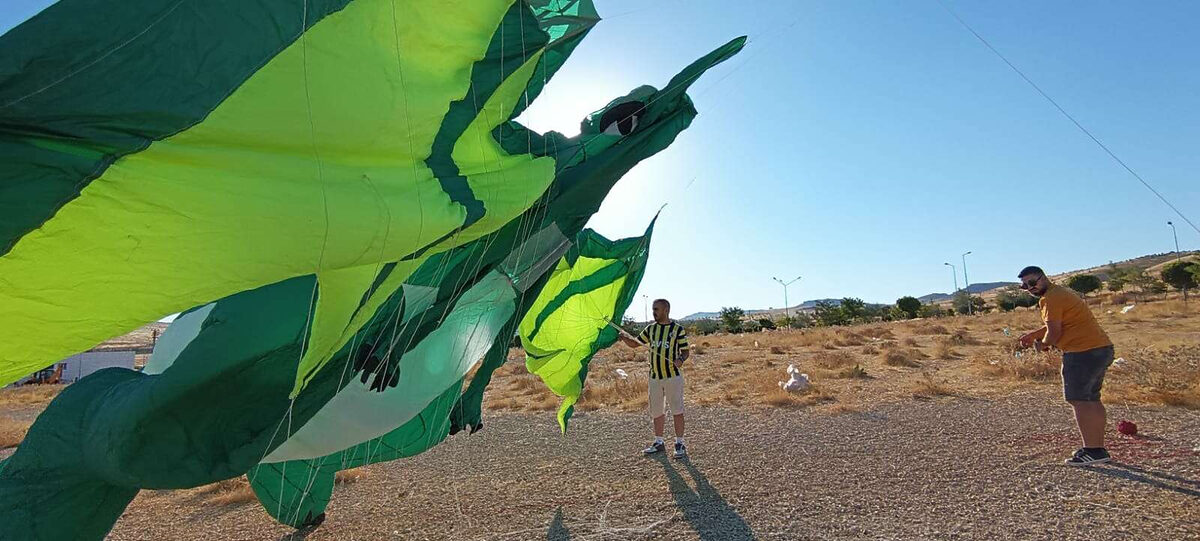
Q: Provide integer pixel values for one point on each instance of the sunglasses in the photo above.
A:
(1031, 283)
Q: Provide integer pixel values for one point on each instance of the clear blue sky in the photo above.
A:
(863, 144)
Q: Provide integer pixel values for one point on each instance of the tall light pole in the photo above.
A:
(954, 270)
(967, 284)
(646, 308)
(786, 313)
(1177, 255)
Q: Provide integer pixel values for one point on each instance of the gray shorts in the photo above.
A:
(1083, 373)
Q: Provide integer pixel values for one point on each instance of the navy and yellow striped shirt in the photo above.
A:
(666, 343)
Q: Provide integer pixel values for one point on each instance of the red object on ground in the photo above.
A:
(1127, 428)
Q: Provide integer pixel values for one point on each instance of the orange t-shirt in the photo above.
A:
(1080, 331)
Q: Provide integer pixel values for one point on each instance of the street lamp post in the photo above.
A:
(787, 315)
(954, 270)
(646, 308)
(1177, 255)
(967, 284)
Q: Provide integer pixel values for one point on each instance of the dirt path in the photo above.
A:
(951, 468)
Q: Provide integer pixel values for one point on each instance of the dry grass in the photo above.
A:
(853, 372)
(878, 332)
(815, 394)
(350, 476)
(29, 395)
(944, 350)
(962, 337)
(929, 387)
(849, 338)
(843, 409)
(901, 358)
(12, 432)
(930, 329)
(743, 370)
(612, 392)
(229, 492)
(1169, 376)
(1029, 366)
(833, 360)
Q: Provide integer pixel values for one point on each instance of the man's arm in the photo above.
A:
(684, 348)
(1053, 335)
(1028, 338)
(629, 340)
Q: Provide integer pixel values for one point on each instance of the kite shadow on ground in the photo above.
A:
(704, 508)
(558, 531)
(1150, 477)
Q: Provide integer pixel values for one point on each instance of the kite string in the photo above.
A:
(1068, 115)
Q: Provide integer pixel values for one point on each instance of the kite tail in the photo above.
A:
(295, 492)
(49, 505)
(50, 490)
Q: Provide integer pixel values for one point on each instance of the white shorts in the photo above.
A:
(668, 390)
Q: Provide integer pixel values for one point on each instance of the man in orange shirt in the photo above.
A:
(1087, 353)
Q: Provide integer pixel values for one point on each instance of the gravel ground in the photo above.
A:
(948, 468)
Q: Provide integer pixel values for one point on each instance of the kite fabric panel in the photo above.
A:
(336, 197)
(573, 318)
(294, 486)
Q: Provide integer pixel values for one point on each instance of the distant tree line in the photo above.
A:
(1180, 275)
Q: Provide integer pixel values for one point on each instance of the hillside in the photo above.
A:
(1152, 263)
(974, 289)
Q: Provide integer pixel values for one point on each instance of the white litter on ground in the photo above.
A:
(797, 382)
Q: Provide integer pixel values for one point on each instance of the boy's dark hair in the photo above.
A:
(1030, 271)
(665, 302)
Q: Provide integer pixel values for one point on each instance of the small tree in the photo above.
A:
(854, 308)
(1084, 283)
(1179, 276)
(766, 323)
(751, 326)
(630, 326)
(731, 318)
(829, 314)
(909, 305)
(1006, 301)
(977, 304)
(801, 320)
(1012, 297)
(929, 310)
(704, 326)
(1116, 284)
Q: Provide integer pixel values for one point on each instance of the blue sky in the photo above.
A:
(862, 144)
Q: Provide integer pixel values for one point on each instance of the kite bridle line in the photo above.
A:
(1070, 117)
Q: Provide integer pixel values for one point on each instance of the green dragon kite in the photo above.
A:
(336, 195)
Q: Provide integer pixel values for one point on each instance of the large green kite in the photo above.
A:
(336, 195)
